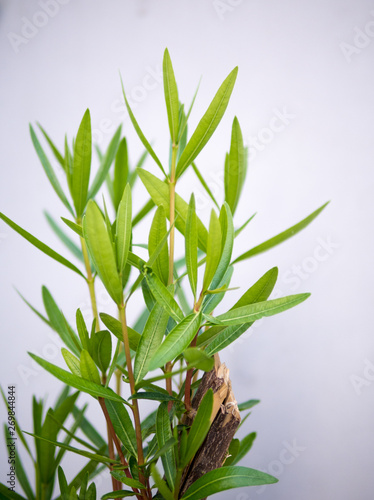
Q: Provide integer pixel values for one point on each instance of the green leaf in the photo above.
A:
(128, 481)
(233, 451)
(82, 330)
(80, 175)
(191, 242)
(226, 478)
(143, 212)
(49, 171)
(198, 359)
(227, 231)
(235, 167)
(105, 164)
(156, 234)
(247, 405)
(259, 310)
(276, 240)
(260, 291)
(72, 362)
(59, 323)
(39, 314)
(159, 192)
(199, 428)
(204, 184)
(118, 494)
(141, 136)
(154, 396)
(214, 250)
(91, 388)
(121, 172)
(244, 447)
(88, 368)
(40, 245)
(243, 226)
(88, 430)
(164, 434)
(211, 301)
(150, 341)
(54, 149)
(116, 328)
(101, 346)
(75, 250)
(93, 456)
(177, 341)
(8, 494)
(162, 295)
(101, 251)
(208, 123)
(123, 229)
(75, 227)
(171, 97)
(122, 425)
(161, 484)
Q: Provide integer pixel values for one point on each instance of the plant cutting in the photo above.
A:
(186, 448)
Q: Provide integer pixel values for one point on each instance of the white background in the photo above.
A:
(311, 367)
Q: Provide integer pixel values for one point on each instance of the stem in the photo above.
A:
(135, 408)
(172, 183)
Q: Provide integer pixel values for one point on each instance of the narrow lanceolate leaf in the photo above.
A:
(164, 434)
(40, 245)
(259, 310)
(72, 362)
(157, 232)
(163, 295)
(49, 171)
(226, 478)
(88, 368)
(199, 428)
(118, 494)
(73, 226)
(82, 330)
(227, 231)
(105, 164)
(59, 323)
(171, 97)
(122, 425)
(160, 483)
(220, 337)
(123, 229)
(177, 341)
(93, 456)
(141, 136)
(235, 167)
(204, 184)
(276, 240)
(244, 447)
(69, 243)
(121, 172)
(128, 481)
(159, 192)
(54, 149)
(101, 348)
(101, 251)
(208, 123)
(80, 175)
(116, 328)
(150, 341)
(197, 358)
(91, 388)
(247, 405)
(191, 242)
(213, 250)
(244, 225)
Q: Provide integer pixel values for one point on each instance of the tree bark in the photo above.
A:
(225, 421)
